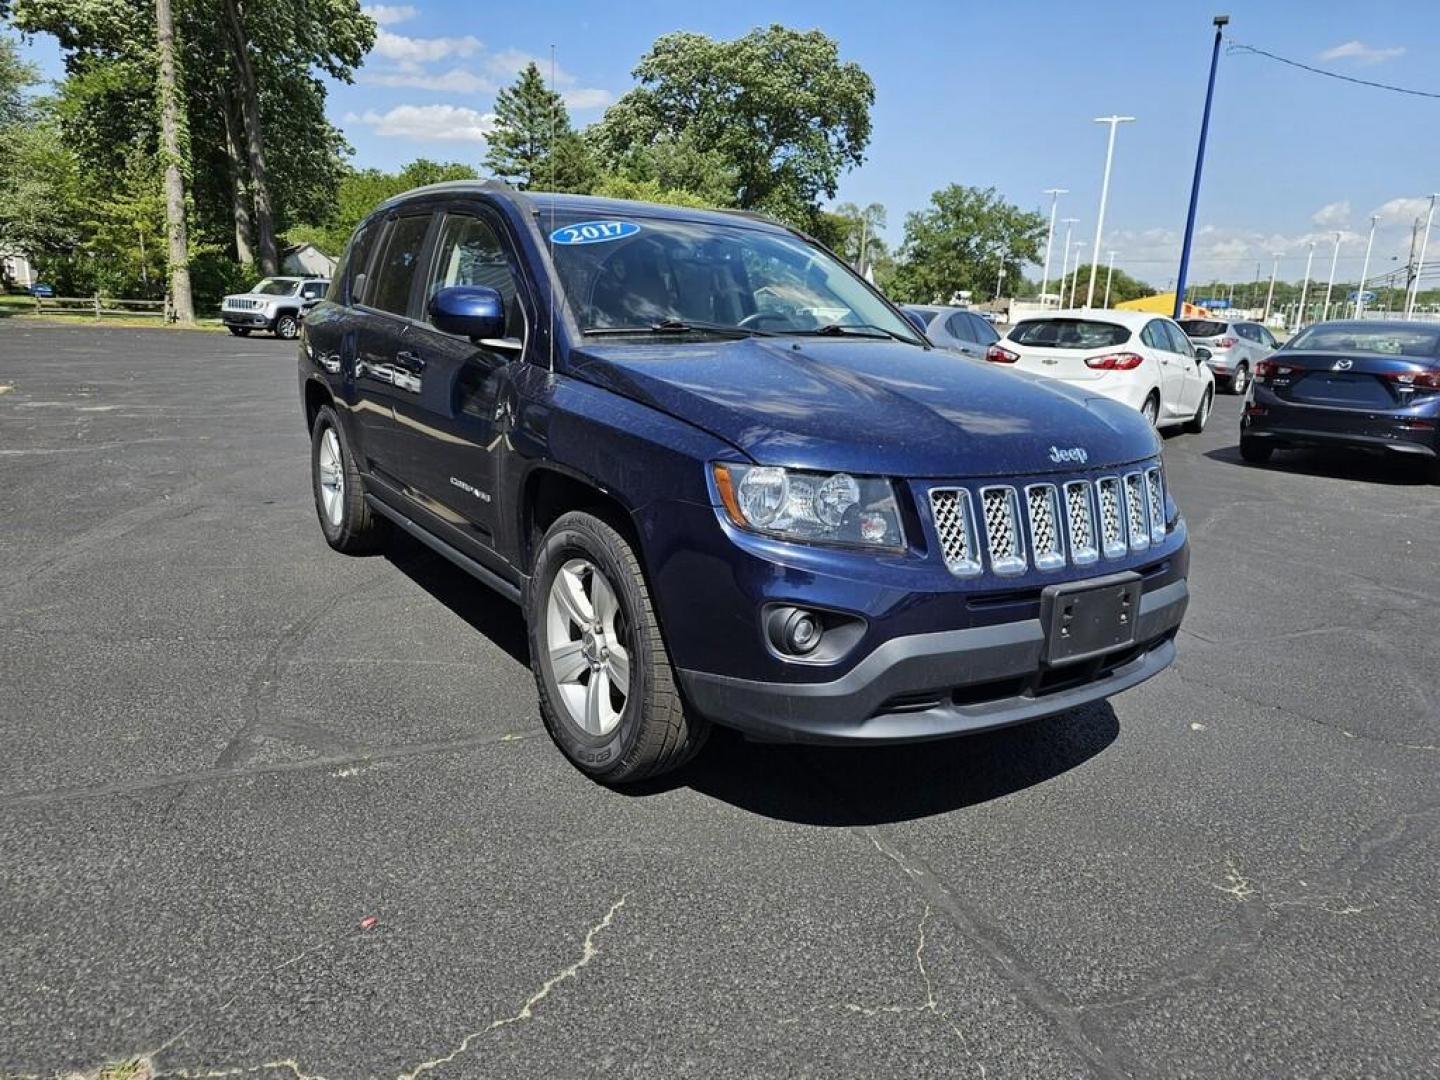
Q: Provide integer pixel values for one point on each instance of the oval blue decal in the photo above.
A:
(593, 232)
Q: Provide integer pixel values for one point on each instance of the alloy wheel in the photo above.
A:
(585, 635)
(332, 478)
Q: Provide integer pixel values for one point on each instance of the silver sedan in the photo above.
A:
(957, 329)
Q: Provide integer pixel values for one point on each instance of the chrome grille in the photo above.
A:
(1045, 542)
(1076, 523)
(955, 526)
(1002, 529)
(1157, 505)
(1112, 526)
(235, 304)
(1080, 513)
(1135, 511)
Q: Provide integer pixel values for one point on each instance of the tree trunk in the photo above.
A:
(254, 141)
(179, 244)
(239, 192)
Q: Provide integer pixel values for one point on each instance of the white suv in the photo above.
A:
(276, 304)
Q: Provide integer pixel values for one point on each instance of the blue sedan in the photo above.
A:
(41, 290)
(1370, 385)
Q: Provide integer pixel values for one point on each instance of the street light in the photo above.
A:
(1270, 296)
(1054, 193)
(1075, 274)
(1114, 122)
(1420, 266)
(1221, 21)
(1000, 280)
(1305, 288)
(1108, 275)
(1365, 273)
(1069, 224)
(1334, 258)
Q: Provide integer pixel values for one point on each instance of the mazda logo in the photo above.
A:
(1344, 365)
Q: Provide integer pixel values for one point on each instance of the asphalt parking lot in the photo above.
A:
(228, 749)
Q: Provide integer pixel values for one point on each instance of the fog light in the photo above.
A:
(794, 631)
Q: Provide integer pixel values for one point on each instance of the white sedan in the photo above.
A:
(1144, 361)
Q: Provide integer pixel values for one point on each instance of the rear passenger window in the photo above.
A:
(470, 253)
(1179, 343)
(958, 326)
(395, 272)
(984, 333)
(1155, 336)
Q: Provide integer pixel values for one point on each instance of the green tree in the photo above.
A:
(960, 242)
(533, 145)
(776, 107)
(860, 243)
(362, 190)
(39, 177)
(1123, 287)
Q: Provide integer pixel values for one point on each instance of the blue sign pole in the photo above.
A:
(1220, 23)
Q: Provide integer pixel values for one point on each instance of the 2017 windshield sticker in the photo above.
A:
(593, 232)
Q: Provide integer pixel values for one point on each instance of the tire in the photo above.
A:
(1240, 381)
(287, 326)
(611, 737)
(1255, 451)
(239, 331)
(347, 521)
(1151, 410)
(1196, 424)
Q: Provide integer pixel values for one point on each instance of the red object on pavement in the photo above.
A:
(367, 922)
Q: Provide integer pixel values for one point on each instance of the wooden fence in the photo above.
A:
(97, 305)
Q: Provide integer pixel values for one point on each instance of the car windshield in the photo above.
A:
(646, 273)
(1069, 334)
(271, 286)
(1395, 340)
(1201, 328)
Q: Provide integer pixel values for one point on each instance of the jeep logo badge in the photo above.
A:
(1073, 453)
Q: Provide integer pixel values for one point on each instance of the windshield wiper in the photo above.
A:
(868, 330)
(676, 326)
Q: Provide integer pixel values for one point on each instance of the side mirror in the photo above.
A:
(471, 311)
(1202, 354)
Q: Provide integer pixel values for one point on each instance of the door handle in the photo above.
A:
(410, 361)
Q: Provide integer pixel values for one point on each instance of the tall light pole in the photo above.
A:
(1000, 280)
(1365, 273)
(1305, 288)
(1109, 274)
(1054, 193)
(1420, 266)
(1114, 122)
(1221, 21)
(1075, 274)
(1270, 296)
(1069, 224)
(1334, 258)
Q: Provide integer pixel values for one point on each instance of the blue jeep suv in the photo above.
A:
(727, 481)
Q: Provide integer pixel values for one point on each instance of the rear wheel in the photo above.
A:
(287, 326)
(239, 331)
(346, 519)
(1240, 381)
(1151, 409)
(1255, 451)
(1202, 415)
(608, 693)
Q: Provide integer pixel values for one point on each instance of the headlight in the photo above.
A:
(820, 508)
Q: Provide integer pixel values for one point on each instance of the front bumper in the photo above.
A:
(252, 319)
(929, 686)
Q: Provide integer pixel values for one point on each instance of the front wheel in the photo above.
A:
(608, 693)
(1202, 415)
(348, 522)
(1255, 451)
(288, 327)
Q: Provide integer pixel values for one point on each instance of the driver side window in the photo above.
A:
(469, 252)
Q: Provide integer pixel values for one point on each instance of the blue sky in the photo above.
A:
(1003, 94)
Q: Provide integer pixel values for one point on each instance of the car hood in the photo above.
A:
(871, 406)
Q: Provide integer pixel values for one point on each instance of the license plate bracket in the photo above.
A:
(1086, 619)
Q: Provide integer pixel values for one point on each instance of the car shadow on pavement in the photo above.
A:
(484, 609)
(874, 785)
(1338, 464)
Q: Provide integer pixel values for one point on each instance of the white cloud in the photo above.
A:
(1402, 211)
(1332, 214)
(441, 122)
(389, 14)
(409, 50)
(1362, 53)
(588, 98)
(454, 81)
